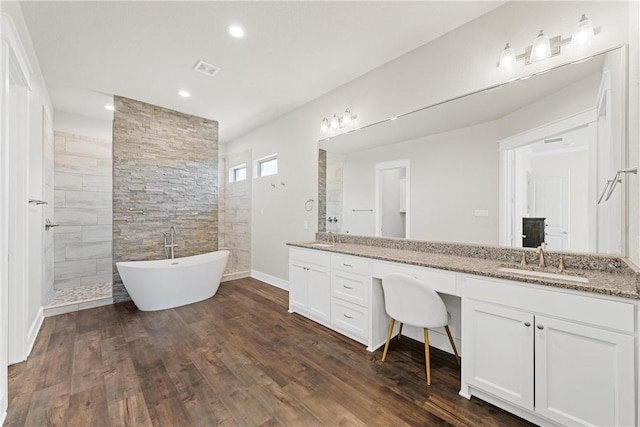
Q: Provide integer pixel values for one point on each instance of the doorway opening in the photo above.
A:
(393, 211)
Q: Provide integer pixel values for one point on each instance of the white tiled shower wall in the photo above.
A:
(83, 210)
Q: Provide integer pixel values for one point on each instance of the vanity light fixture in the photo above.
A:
(541, 48)
(544, 47)
(324, 126)
(583, 32)
(337, 121)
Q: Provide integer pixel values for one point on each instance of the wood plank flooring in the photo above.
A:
(236, 359)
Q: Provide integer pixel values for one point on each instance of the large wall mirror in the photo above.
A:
(528, 163)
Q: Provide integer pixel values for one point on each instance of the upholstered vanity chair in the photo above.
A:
(413, 302)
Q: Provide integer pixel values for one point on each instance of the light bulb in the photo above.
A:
(583, 32)
(541, 48)
(347, 116)
(507, 59)
(335, 122)
(236, 31)
(324, 126)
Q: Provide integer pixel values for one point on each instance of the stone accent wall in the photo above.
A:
(322, 190)
(82, 209)
(165, 173)
(235, 214)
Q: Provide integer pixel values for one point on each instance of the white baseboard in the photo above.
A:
(3, 416)
(235, 275)
(33, 331)
(271, 280)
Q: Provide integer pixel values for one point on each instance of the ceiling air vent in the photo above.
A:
(206, 69)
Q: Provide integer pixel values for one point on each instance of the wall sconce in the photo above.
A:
(337, 121)
(544, 47)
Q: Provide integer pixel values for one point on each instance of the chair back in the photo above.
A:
(411, 301)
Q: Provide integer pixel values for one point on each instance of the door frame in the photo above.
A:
(507, 222)
(382, 166)
(15, 72)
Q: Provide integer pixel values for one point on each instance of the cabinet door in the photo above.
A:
(319, 293)
(584, 375)
(498, 351)
(298, 280)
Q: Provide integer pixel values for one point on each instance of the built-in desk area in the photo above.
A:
(550, 350)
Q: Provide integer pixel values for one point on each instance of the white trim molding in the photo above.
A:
(271, 280)
(15, 73)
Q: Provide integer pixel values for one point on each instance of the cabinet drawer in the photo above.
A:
(310, 256)
(350, 287)
(440, 281)
(350, 264)
(350, 318)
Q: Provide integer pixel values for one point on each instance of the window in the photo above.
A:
(267, 165)
(238, 173)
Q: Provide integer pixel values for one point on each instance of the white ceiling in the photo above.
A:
(294, 51)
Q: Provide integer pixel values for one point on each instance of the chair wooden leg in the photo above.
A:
(453, 344)
(400, 331)
(386, 345)
(426, 355)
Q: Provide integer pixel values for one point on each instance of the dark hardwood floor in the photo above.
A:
(236, 359)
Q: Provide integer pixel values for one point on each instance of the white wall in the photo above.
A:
(82, 125)
(442, 199)
(460, 62)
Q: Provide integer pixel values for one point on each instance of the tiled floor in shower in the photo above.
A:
(79, 298)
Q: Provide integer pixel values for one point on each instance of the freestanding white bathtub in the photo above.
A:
(167, 283)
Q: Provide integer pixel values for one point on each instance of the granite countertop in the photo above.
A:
(623, 282)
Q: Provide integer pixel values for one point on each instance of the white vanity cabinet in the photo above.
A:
(565, 356)
(331, 289)
(310, 284)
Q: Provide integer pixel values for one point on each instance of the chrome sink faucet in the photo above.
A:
(540, 251)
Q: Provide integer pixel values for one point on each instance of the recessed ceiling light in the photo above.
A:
(109, 107)
(184, 93)
(236, 31)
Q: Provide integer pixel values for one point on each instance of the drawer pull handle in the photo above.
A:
(527, 324)
(347, 287)
(540, 327)
(348, 317)
(347, 265)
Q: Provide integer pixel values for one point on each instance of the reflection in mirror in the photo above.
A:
(484, 166)
(393, 212)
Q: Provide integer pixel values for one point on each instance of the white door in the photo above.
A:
(319, 293)
(498, 351)
(298, 280)
(584, 375)
(549, 198)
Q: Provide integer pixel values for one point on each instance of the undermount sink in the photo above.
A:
(545, 275)
(322, 245)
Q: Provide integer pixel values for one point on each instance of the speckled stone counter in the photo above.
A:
(607, 275)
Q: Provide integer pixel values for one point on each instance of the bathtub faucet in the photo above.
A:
(168, 242)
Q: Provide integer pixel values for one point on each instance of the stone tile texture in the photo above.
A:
(82, 199)
(165, 172)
